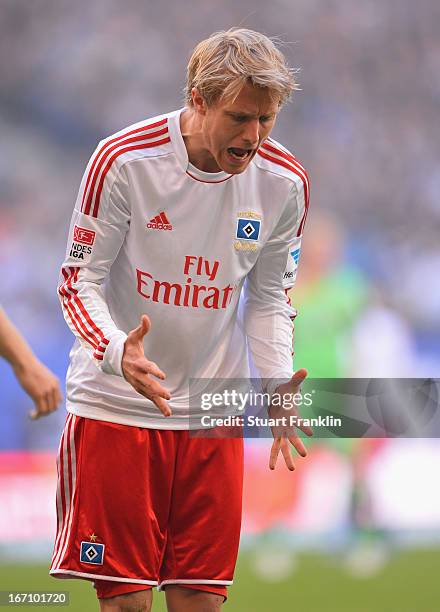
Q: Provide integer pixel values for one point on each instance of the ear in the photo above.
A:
(198, 101)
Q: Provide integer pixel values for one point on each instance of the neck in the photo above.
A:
(191, 126)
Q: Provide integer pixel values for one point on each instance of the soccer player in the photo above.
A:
(180, 220)
(38, 382)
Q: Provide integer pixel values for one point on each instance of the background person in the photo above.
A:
(37, 380)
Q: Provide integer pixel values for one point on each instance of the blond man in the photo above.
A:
(180, 220)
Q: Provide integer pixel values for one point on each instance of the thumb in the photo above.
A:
(142, 329)
(299, 376)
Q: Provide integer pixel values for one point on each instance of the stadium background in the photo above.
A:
(357, 527)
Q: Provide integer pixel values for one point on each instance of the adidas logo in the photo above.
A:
(160, 222)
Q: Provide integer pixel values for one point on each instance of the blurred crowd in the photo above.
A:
(368, 294)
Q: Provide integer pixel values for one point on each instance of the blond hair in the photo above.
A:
(220, 65)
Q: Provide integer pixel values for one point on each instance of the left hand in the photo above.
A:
(286, 435)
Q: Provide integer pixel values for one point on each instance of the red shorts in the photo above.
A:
(146, 507)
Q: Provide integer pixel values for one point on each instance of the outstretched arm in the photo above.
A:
(269, 315)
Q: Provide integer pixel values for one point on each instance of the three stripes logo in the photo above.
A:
(159, 222)
(295, 255)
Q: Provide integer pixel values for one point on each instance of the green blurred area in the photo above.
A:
(408, 583)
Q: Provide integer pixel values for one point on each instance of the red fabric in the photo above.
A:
(166, 505)
(105, 588)
(78, 314)
(207, 588)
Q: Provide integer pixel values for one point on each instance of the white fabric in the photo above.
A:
(192, 336)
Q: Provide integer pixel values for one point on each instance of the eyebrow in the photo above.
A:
(247, 115)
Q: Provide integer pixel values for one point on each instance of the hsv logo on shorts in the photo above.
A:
(83, 236)
(159, 222)
(248, 229)
(91, 552)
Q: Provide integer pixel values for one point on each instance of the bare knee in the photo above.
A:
(140, 601)
(180, 599)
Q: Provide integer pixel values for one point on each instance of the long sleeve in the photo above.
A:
(99, 223)
(268, 314)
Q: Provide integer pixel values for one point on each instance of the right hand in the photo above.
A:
(41, 385)
(137, 369)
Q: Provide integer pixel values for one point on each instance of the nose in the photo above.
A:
(251, 133)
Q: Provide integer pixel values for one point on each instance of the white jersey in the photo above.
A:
(208, 257)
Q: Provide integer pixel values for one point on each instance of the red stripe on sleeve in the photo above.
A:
(296, 171)
(300, 167)
(108, 144)
(73, 315)
(73, 295)
(86, 315)
(66, 290)
(112, 159)
(285, 155)
(107, 150)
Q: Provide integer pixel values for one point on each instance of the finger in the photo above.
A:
(59, 396)
(299, 445)
(46, 404)
(299, 376)
(150, 388)
(162, 405)
(154, 369)
(39, 410)
(49, 400)
(54, 399)
(143, 328)
(285, 449)
(299, 424)
(155, 388)
(137, 334)
(305, 429)
(140, 377)
(274, 453)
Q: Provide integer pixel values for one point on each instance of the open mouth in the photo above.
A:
(239, 154)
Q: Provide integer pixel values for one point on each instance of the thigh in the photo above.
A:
(181, 599)
(112, 500)
(140, 601)
(204, 526)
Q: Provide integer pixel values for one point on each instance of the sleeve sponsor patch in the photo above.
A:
(295, 254)
(83, 236)
(289, 275)
(82, 242)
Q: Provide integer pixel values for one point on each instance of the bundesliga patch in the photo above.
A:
(91, 552)
(83, 240)
(248, 229)
(79, 251)
(83, 236)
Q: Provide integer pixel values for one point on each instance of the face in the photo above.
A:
(233, 131)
